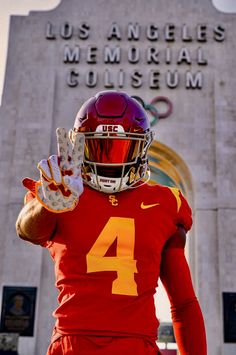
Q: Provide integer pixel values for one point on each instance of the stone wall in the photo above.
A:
(57, 59)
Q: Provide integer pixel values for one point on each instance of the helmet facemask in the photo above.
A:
(115, 161)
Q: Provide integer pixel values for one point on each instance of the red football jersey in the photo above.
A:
(107, 255)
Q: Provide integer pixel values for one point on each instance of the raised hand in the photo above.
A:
(60, 182)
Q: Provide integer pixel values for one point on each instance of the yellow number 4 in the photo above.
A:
(123, 230)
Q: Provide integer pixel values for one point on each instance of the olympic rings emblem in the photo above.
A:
(156, 115)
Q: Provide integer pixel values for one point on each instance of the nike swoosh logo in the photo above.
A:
(144, 207)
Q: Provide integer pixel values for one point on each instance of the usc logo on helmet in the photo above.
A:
(109, 128)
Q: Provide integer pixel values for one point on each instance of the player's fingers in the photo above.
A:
(45, 188)
(45, 169)
(55, 169)
(63, 148)
(29, 184)
(77, 155)
(74, 184)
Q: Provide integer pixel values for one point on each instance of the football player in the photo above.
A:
(111, 235)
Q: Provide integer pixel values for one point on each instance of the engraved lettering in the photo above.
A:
(49, 31)
(185, 34)
(172, 79)
(136, 79)
(194, 81)
(72, 78)
(219, 33)
(114, 32)
(133, 55)
(201, 33)
(84, 31)
(152, 33)
(133, 31)
(108, 83)
(71, 55)
(184, 56)
(112, 55)
(200, 57)
(66, 30)
(91, 79)
(92, 55)
(152, 55)
(169, 32)
(154, 79)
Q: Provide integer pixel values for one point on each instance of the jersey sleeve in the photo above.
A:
(186, 314)
(184, 212)
(184, 216)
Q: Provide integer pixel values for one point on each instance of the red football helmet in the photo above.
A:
(117, 137)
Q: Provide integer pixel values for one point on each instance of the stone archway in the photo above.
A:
(168, 168)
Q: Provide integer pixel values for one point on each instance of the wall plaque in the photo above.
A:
(229, 309)
(18, 310)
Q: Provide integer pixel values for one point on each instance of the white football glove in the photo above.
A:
(60, 182)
